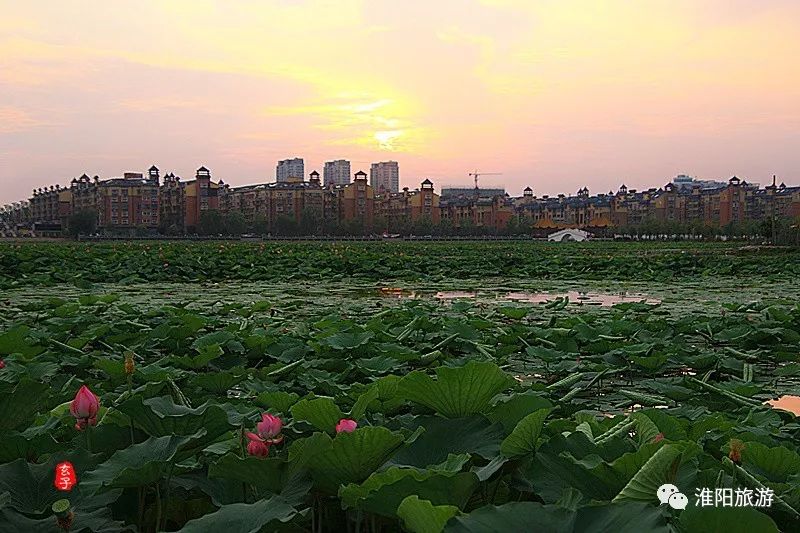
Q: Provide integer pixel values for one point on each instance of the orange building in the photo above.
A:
(50, 208)
(670, 206)
(483, 212)
(395, 209)
(356, 201)
(293, 198)
(129, 202)
(201, 194)
(732, 202)
(172, 203)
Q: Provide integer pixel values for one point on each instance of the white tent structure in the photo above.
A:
(567, 235)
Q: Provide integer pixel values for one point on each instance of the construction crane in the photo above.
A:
(476, 174)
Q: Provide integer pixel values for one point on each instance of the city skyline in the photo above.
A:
(141, 204)
(556, 96)
(411, 182)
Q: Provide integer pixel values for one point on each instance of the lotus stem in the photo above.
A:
(158, 507)
(166, 497)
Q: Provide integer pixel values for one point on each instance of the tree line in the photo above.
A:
(310, 223)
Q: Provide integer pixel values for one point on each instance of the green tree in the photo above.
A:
(423, 226)
(310, 222)
(285, 225)
(234, 223)
(260, 225)
(170, 225)
(353, 227)
(211, 223)
(382, 224)
(443, 228)
(172, 230)
(141, 230)
(82, 222)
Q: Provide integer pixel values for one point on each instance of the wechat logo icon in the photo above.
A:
(670, 494)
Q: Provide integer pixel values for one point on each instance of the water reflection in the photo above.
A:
(590, 298)
(787, 403)
(575, 297)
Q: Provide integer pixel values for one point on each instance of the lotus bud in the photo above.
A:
(346, 425)
(129, 364)
(2, 364)
(84, 408)
(257, 448)
(735, 454)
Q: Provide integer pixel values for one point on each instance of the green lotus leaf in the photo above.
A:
(531, 516)
(457, 392)
(16, 340)
(97, 521)
(450, 436)
(727, 519)
(136, 465)
(16, 445)
(280, 401)
(161, 417)
(31, 491)
(352, 457)
(267, 473)
(360, 407)
(513, 312)
(243, 517)
(218, 383)
(383, 491)
(348, 341)
(422, 516)
(19, 403)
(776, 463)
(320, 412)
(523, 439)
(659, 469)
(509, 411)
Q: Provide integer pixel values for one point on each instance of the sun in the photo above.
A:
(386, 139)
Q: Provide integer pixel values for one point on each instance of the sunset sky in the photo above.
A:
(554, 94)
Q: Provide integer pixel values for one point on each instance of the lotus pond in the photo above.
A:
(391, 396)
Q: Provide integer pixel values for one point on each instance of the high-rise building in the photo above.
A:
(289, 168)
(336, 172)
(385, 177)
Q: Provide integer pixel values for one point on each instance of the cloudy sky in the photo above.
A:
(556, 94)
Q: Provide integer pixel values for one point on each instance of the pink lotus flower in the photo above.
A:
(84, 408)
(269, 432)
(346, 425)
(257, 448)
(2, 364)
(658, 438)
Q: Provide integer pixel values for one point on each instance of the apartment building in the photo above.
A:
(290, 168)
(356, 201)
(385, 177)
(392, 210)
(128, 202)
(336, 173)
